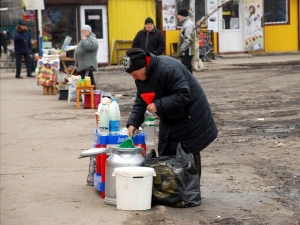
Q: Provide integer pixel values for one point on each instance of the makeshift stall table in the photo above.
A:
(84, 90)
(102, 142)
(63, 62)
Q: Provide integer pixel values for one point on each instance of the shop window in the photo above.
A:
(199, 8)
(230, 15)
(276, 11)
(58, 23)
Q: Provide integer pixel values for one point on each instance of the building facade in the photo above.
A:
(239, 26)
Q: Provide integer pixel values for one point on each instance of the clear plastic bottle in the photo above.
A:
(114, 118)
(104, 119)
(149, 128)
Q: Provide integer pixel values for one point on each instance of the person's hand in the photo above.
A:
(152, 108)
(83, 37)
(130, 130)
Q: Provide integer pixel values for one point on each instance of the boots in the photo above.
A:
(197, 161)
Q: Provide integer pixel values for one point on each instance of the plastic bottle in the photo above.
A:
(104, 119)
(98, 112)
(114, 118)
(87, 81)
(149, 128)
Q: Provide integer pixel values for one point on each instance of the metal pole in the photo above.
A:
(40, 31)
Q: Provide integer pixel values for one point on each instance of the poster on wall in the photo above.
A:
(212, 21)
(169, 16)
(253, 37)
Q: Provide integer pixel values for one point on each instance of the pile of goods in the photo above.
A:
(48, 68)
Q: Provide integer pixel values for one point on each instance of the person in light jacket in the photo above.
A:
(86, 54)
(186, 43)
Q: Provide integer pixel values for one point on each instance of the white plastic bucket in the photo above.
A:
(134, 187)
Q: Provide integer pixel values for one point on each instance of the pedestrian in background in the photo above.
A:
(186, 43)
(150, 39)
(23, 48)
(179, 102)
(86, 54)
(5, 41)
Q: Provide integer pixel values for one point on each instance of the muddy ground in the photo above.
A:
(250, 174)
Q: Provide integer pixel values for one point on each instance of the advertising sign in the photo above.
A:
(212, 21)
(169, 15)
(253, 37)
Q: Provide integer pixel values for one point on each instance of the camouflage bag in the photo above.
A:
(177, 181)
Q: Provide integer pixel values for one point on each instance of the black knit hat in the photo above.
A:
(134, 59)
(183, 12)
(149, 20)
(22, 22)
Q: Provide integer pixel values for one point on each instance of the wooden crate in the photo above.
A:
(49, 90)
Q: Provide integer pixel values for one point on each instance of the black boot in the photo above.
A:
(19, 77)
(197, 161)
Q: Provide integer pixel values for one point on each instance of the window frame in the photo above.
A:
(287, 13)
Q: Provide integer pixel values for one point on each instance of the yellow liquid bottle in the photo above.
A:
(87, 81)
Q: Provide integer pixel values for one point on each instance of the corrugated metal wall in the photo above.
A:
(171, 37)
(282, 38)
(125, 19)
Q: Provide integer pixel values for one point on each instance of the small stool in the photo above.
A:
(83, 89)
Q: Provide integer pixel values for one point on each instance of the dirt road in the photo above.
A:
(250, 174)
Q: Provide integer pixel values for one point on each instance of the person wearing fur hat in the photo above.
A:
(180, 103)
(150, 39)
(186, 43)
(86, 54)
(23, 47)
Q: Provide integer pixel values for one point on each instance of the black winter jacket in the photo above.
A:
(182, 106)
(153, 42)
(22, 41)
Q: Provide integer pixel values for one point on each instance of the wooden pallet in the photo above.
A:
(49, 90)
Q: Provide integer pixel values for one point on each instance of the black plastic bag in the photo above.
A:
(177, 181)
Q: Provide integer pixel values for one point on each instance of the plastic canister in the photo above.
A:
(149, 128)
(87, 81)
(114, 118)
(103, 119)
(82, 84)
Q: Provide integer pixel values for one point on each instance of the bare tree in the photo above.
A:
(197, 62)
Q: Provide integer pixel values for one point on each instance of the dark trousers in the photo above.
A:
(4, 48)
(28, 63)
(90, 74)
(187, 61)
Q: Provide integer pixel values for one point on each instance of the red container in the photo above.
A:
(87, 101)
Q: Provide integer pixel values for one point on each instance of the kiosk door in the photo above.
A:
(96, 17)
(231, 27)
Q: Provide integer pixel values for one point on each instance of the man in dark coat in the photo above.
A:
(179, 102)
(150, 39)
(23, 47)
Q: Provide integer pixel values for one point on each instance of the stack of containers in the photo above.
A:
(109, 118)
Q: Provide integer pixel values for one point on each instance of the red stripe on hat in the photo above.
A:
(148, 59)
